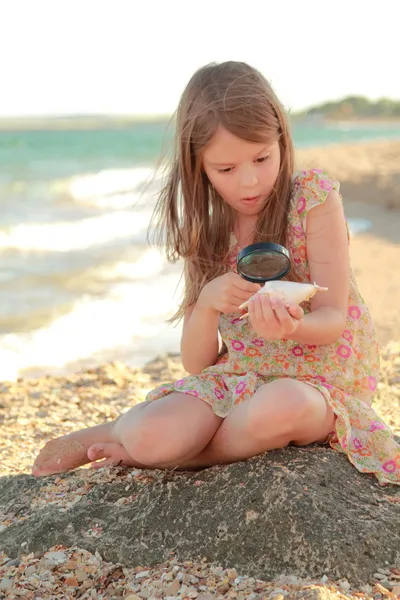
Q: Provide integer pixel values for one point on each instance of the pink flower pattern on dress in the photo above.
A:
(301, 205)
(354, 312)
(344, 351)
(240, 387)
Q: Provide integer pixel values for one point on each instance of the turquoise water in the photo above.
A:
(79, 284)
(44, 155)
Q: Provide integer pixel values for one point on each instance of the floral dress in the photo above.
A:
(345, 372)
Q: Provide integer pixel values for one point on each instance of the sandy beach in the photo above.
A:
(33, 411)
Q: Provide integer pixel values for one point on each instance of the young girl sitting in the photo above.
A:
(285, 374)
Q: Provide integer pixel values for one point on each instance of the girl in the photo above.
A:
(284, 375)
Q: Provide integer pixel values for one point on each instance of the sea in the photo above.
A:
(79, 283)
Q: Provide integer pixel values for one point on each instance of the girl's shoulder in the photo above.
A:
(311, 187)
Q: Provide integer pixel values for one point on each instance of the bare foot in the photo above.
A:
(70, 451)
(112, 453)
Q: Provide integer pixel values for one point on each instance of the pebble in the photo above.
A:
(55, 558)
(367, 589)
(173, 588)
(5, 584)
(142, 574)
(80, 575)
(15, 562)
(344, 584)
(387, 584)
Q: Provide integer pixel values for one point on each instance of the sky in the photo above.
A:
(134, 57)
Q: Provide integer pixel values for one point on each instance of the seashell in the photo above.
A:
(291, 292)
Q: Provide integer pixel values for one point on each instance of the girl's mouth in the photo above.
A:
(251, 200)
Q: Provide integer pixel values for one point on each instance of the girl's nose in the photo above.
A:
(249, 179)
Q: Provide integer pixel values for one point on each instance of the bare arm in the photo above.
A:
(328, 257)
(200, 344)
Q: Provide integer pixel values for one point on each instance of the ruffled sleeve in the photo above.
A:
(310, 189)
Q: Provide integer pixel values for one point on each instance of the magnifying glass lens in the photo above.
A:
(263, 262)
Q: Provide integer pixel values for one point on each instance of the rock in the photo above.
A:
(311, 514)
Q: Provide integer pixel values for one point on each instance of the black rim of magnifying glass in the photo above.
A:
(257, 249)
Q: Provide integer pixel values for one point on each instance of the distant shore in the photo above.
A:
(88, 122)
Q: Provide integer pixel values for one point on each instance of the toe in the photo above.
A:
(112, 454)
(97, 451)
(36, 470)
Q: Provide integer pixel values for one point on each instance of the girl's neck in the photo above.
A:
(244, 231)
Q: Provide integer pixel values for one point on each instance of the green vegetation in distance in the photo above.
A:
(354, 108)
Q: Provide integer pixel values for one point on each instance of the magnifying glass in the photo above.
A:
(263, 262)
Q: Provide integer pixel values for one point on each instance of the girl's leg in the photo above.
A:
(70, 451)
(279, 413)
(162, 433)
(282, 412)
(168, 432)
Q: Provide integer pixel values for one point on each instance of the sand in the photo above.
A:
(49, 406)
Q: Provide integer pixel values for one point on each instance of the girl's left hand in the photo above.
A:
(270, 319)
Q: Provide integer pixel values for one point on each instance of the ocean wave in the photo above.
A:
(129, 319)
(110, 188)
(76, 235)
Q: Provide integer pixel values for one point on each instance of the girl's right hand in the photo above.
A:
(226, 293)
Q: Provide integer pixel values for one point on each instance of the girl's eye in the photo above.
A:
(258, 160)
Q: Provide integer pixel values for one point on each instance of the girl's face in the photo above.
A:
(242, 172)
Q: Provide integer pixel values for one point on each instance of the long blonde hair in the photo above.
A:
(190, 217)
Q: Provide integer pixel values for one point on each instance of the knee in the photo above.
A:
(146, 442)
(281, 405)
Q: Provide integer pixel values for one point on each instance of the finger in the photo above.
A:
(256, 312)
(281, 313)
(267, 311)
(251, 312)
(244, 304)
(246, 286)
(230, 308)
(296, 312)
(241, 296)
